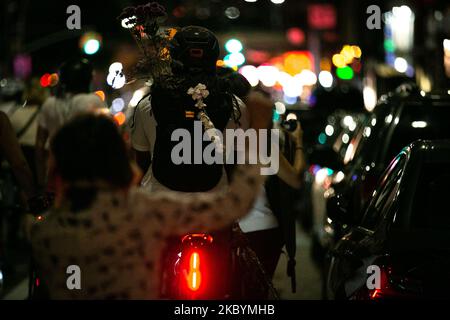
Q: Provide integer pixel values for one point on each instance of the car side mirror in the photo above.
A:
(325, 156)
(337, 209)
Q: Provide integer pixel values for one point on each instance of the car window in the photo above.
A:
(365, 143)
(385, 193)
(431, 208)
(419, 122)
(341, 127)
(362, 133)
(415, 122)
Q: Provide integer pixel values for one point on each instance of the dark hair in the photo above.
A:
(235, 82)
(172, 91)
(90, 148)
(75, 76)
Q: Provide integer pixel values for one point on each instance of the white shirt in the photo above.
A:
(261, 217)
(20, 118)
(142, 125)
(143, 132)
(57, 111)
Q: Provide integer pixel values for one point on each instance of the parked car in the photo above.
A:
(404, 232)
(399, 119)
(332, 144)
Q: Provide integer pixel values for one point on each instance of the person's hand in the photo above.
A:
(297, 135)
(260, 110)
(137, 174)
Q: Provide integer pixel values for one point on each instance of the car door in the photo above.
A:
(359, 248)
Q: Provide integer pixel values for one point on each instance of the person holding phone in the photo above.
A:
(263, 226)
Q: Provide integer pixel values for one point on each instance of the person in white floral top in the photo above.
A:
(114, 231)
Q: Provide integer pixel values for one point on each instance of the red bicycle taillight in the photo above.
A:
(194, 263)
(194, 276)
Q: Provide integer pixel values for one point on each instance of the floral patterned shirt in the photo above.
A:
(118, 241)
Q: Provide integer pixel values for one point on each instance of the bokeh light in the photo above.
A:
(338, 60)
(91, 46)
(232, 13)
(116, 79)
(280, 107)
(251, 74)
(233, 46)
(400, 64)
(345, 73)
(120, 118)
(100, 94)
(326, 79)
(291, 116)
(117, 105)
(234, 59)
(45, 80)
(268, 75)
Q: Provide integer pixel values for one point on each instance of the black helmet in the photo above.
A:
(196, 48)
(76, 75)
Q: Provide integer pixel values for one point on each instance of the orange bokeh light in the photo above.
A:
(100, 94)
(294, 62)
(120, 118)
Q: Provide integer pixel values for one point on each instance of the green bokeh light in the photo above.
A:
(322, 138)
(345, 73)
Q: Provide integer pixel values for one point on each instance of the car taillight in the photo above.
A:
(384, 291)
(194, 276)
(392, 286)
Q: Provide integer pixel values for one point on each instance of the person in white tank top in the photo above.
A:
(73, 98)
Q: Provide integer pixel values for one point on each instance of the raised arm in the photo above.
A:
(175, 213)
(292, 173)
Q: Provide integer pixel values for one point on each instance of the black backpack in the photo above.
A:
(180, 113)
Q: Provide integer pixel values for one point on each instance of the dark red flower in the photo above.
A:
(140, 11)
(157, 10)
(148, 9)
(127, 12)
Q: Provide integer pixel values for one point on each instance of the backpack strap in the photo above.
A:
(236, 112)
(133, 117)
(27, 125)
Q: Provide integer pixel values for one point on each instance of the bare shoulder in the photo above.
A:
(256, 98)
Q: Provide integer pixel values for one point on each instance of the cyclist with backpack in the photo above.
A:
(194, 52)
